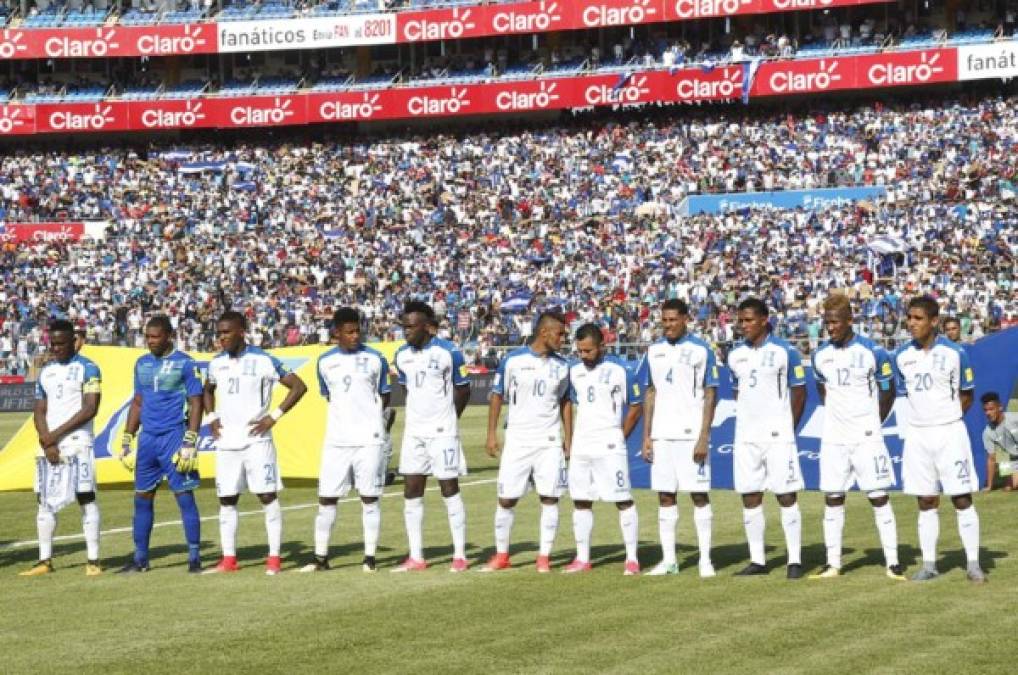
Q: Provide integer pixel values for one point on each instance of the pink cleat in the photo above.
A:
(410, 565)
(632, 568)
(273, 565)
(577, 566)
(459, 565)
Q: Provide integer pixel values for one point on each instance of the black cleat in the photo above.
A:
(794, 571)
(752, 570)
(133, 568)
(319, 565)
(390, 477)
(194, 566)
(368, 565)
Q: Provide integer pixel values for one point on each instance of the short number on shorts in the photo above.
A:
(791, 469)
(620, 478)
(450, 457)
(963, 469)
(880, 464)
(270, 473)
(590, 394)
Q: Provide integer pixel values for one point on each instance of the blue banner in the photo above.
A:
(996, 368)
(810, 200)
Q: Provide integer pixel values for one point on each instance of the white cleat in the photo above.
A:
(663, 569)
(707, 571)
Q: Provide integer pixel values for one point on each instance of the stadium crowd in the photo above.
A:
(492, 226)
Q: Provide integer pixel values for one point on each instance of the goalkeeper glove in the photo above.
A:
(126, 455)
(186, 459)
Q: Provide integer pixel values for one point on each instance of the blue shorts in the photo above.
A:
(155, 461)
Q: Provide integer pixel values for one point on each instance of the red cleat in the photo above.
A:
(632, 568)
(499, 561)
(227, 564)
(459, 565)
(543, 564)
(410, 565)
(273, 565)
(576, 567)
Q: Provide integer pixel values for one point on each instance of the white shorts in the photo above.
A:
(73, 475)
(441, 457)
(254, 468)
(547, 464)
(601, 477)
(843, 465)
(938, 459)
(346, 466)
(766, 466)
(673, 468)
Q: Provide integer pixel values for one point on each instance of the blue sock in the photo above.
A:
(144, 514)
(192, 523)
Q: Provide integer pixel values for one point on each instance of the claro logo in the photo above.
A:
(691, 9)
(522, 20)
(10, 119)
(166, 119)
(823, 78)
(454, 27)
(696, 89)
(429, 105)
(11, 44)
(178, 44)
(604, 15)
(102, 44)
(896, 73)
(338, 110)
(538, 100)
(278, 113)
(800, 4)
(98, 119)
(601, 94)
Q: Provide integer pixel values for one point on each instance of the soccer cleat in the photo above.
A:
(40, 568)
(707, 571)
(663, 569)
(227, 564)
(194, 566)
(459, 565)
(92, 568)
(368, 564)
(133, 567)
(826, 572)
(751, 570)
(410, 565)
(273, 566)
(794, 571)
(543, 564)
(896, 572)
(631, 569)
(499, 561)
(390, 477)
(975, 573)
(577, 566)
(925, 574)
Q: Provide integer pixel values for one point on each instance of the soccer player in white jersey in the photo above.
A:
(856, 386)
(769, 383)
(66, 402)
(437, 391)
(354, 379)
(240, 381)
(534, 382)
(679, 375)
(608, 402)
(935, 375)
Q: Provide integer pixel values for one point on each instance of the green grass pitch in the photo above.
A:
(516, 621)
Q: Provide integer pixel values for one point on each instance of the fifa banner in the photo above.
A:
(992, 360)
(298, 434)
(811, 200)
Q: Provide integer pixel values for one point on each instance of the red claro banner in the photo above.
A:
(108, 41)
(26, 232)
(687, 85)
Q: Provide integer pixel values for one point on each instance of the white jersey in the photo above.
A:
(932, 379)
(679, 372)
(601, 395)
(243, 392)
(62, 386)
(853, 375)
(763, 377)
(430, 374)
(353, 383)
(533, 387)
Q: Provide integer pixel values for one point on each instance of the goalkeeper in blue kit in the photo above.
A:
(166, 387)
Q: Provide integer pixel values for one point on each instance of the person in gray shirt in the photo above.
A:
(999, 436)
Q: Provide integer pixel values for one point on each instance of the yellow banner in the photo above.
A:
(298, 435)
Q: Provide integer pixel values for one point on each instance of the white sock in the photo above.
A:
(755, 524)
(583, 524)
(703, 518)
(457, 524)
(371, 520)
(273, 525)
(887, 528)
(968, 530)
(46, 524)
(228, 530)
(629, 521)
(503, 528)
(667, 520)
(549, 528)
(791, 523)
(413, 516)
(834, 526)
(324, 521)
(929, 532)
(90, 526)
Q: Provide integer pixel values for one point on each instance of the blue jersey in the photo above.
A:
(165, 383)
